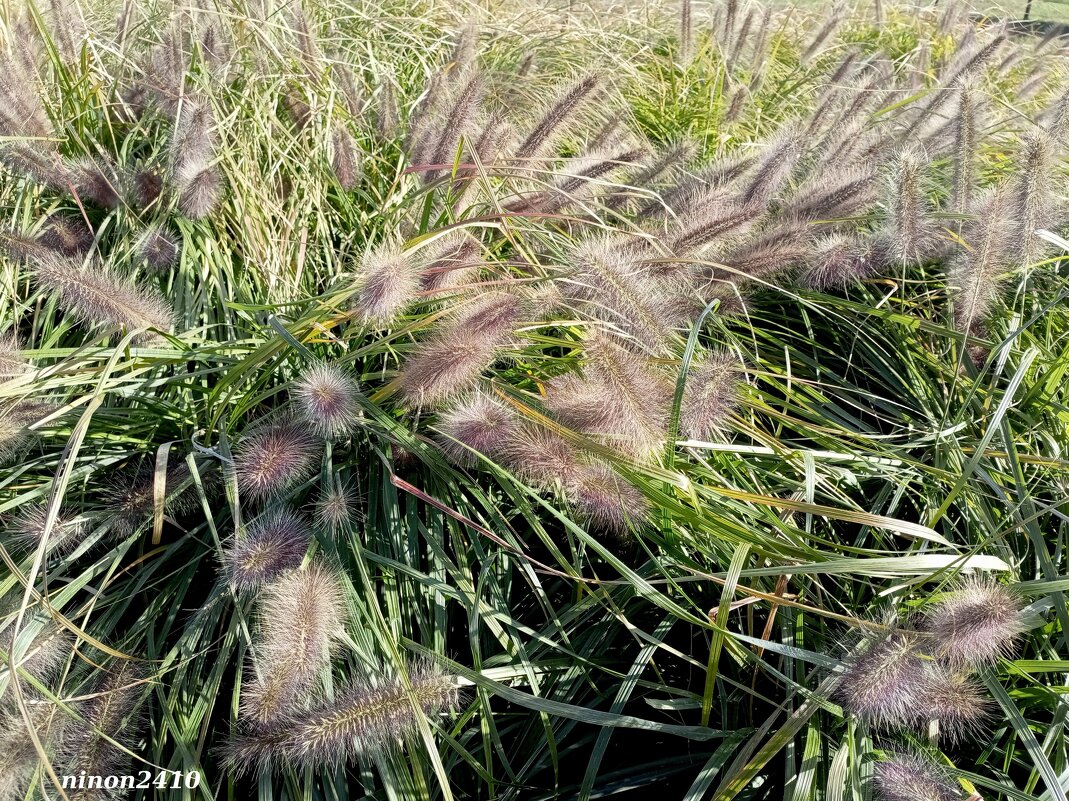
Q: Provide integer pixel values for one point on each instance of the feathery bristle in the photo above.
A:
(67, 235)
(911, 777)
(686, 32)
(709, 396)
(146, 187)
(974, 274)
(556, 118)
(22, 101)
(387, 118)
(541, 457)
(477, 423)
(27, 529)
(41, 649)
(344, 159)
(621, 399)
(1032, 195)
(450, 261)
(274, 456)
(159, 248)
(721, 217)
(884, 681)
(452, 361)
(389, 281)
(775, 167)
(336, 507)
(326, 394)
(273, 543)
(911, 234)
(462, 116)
(131, 499)
(15, 421)
(605, 499)
(966, 125)
(12, 362)
(18, 756)
(201, 194)
(610, 285)
(977, 624)
(193, 141)
(771, 252)
(42, 164)
(362, 720)
(838, 260)
(301, 615)
(446, 365)
(955, 701)
(112, 711)
(97, 298)
(97, 182)
(844, 194)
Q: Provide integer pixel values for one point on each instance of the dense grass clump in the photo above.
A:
(400, 404)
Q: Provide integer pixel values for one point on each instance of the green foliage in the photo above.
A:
(873, 451)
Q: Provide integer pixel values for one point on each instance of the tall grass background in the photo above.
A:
(257, 524)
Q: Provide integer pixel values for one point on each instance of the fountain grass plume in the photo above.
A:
(326, 395)
(96, 297)
(670, 161)
(541, 457)
(344, 158)
(845, 193)
(301, 615)
(336, 506)
(273, 543)
(41, 164)
(557, 117)
(158, 248)
(146, 187)
(27, 529)
(966, 132)
(607, 501)
(96, 181)
(388, 280)
(609, 284)
(977, 623)
(772, 252)
(457, 354)
(451, 261)
(775, 166)
(975, 273)
(910, 231)
(718, 218)
(709, 396)
(15, 421)
(912, 777)
(461, 120)
(578, 181)
(41, 648)
(273, 456)
(955, 701)
(884, 679)
(201, 193)
(131, 497)
(68, 235)
(1031, 195)
(12, 362)
(18, 756)
(621, 399)
(478, 422)
(363, 719)
(113, 713)
(838, 260)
